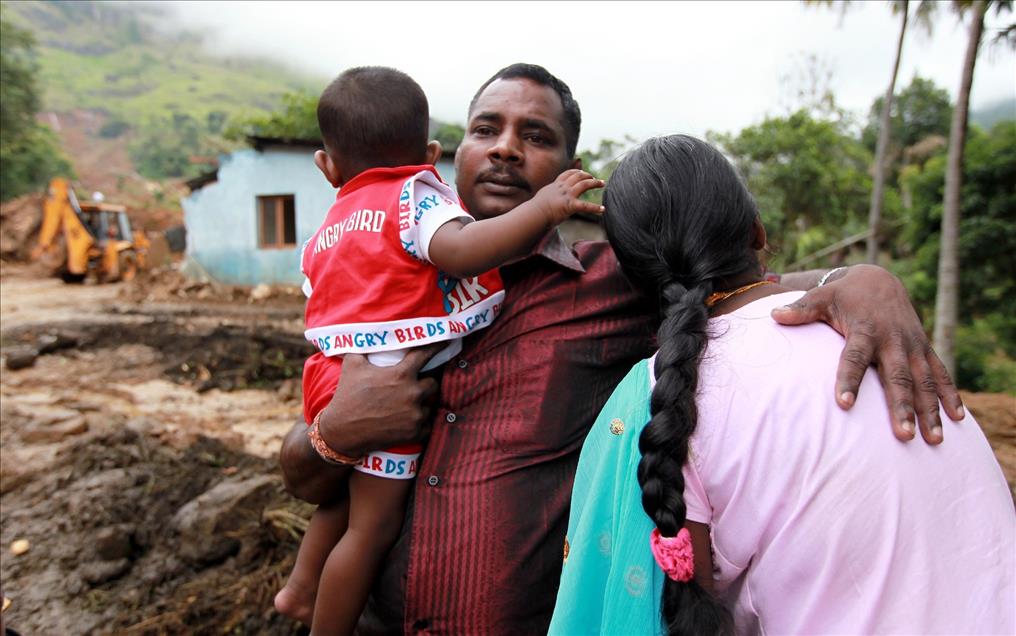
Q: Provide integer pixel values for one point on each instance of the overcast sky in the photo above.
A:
(636, 68)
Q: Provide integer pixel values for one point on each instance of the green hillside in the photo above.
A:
(990, 114)
(123, 60)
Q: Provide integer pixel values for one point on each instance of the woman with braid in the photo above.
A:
(722, 490)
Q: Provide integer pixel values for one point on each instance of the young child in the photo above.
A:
(396, 264)
(722, 490)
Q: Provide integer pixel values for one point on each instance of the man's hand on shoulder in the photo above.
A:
(871, 308)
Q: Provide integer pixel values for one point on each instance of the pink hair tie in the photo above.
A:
(673, 554)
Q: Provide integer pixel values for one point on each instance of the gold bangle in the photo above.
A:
(325, 451)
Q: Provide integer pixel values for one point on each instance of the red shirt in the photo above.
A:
(371, 290)
(481, 547)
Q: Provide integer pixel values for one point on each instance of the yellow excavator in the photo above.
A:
(78, 239)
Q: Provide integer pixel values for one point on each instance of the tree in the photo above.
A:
(450, 135)
(602, 161)
(809, 177)
(920, 110)
(923, 13)
(946, 298)
(17, 80)
(29, 152)
(987, 249)
(878, 181)
(166, 146)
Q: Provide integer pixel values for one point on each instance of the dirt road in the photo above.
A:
(140, 409)
(137, 455)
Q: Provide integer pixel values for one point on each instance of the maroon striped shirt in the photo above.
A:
(481, 547)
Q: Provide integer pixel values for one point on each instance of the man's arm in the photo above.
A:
(372, 408)
(872, 310)
(804, 281)
(305, 474)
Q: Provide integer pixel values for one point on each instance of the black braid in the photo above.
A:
(680, 220)
(664, 441)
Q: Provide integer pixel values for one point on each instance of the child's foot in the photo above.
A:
(295, 602)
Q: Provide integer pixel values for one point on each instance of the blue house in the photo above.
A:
(247, 220)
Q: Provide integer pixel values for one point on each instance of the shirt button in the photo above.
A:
(433, 480)
(450, 418)
(421, 624)
(463, 364)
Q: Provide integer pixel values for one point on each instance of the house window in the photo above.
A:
(276, 221)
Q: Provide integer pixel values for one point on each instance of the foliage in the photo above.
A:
(809, 176)
(29, 161)
(17, 79)
(113, 128)
(602, 161)
(29, 152)
(166, 146)
(918, 111)
(175, 146)
(450, 135)
(987, 233)
(295, 119)
(987, 241)
(982, 360)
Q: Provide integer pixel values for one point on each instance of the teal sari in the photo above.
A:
(610, 583)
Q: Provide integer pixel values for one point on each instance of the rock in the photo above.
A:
(261, 292)
(95, 420)
(50, 342)
(47, 414)
(207, 522)
(80, 406)
(20, 357)
(143, 425)
(115, 542)
(290, 390)
(43, 432)
(98, 572)
(20, 546)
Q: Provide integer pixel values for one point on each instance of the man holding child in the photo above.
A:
(481, 547)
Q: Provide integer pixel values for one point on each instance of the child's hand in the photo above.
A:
(560, 199)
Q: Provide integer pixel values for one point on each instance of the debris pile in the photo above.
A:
(168, 284)
(20, 219)
(127, 535)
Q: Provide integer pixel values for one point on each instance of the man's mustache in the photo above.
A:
(503, 176)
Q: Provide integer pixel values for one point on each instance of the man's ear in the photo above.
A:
(575, 163)
(433, 152)
(328, 168)
(758, 235)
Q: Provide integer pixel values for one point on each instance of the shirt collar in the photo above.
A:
(553, 248)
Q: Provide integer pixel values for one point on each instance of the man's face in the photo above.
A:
(514, 145)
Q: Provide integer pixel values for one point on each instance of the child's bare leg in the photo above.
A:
(377, 508)
(327, 525)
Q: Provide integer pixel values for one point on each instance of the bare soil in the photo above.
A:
(140, 409)
(137, 454)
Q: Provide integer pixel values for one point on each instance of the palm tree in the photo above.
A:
(875, 209)
(947, 294)
(923, 16)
